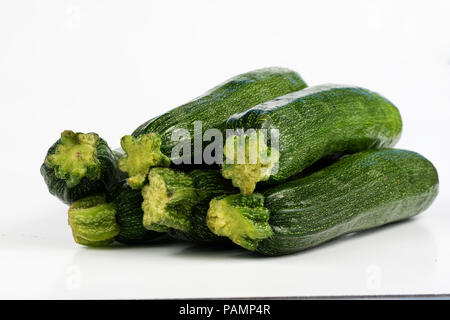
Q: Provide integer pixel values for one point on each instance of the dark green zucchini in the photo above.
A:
(79, 165)
(361, 191)
(176, 202)
(129, 216)
(151, 145)
(311, 124)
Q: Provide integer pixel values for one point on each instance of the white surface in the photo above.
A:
(107, 66)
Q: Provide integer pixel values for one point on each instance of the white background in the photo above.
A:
(107, 66)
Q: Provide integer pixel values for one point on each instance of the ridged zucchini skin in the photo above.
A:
(318, 121)
(93, 221)
(129, 216)
(213, 109)
(109, 175)
(209, 183)
(361, 191)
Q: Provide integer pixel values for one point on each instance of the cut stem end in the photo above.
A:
(243, 219)
(75, 157)
(142, 153)
(248, 160)
(168, 200)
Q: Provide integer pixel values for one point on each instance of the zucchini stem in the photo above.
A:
(248, 160)
(241, 218)
(75, 157)
(142, 153)
(93, 221)
(168, 200)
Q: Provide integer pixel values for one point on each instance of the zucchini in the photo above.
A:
(187, 194)
(361, 191)
(176, 202)
(79, 165)
(129, 216)
(243, 219)
(151, 145)
(97, 222)
(311, 124)
(93, 221)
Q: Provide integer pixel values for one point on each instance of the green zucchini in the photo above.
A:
(311, 124)
(79, 165)
(93, 221)
(361, 191)
(176, 202)
(243, 219)
(129, 216)
(187, 194)
(97, 222)
(151, 145)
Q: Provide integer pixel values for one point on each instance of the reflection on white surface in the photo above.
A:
(397, 259)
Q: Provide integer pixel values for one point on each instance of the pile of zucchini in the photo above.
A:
(332, 170)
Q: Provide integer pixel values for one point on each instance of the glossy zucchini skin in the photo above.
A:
(322, 120)
(109, 175)
(361, 191)
(212, 109)
(129, 216)
(215, 106)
